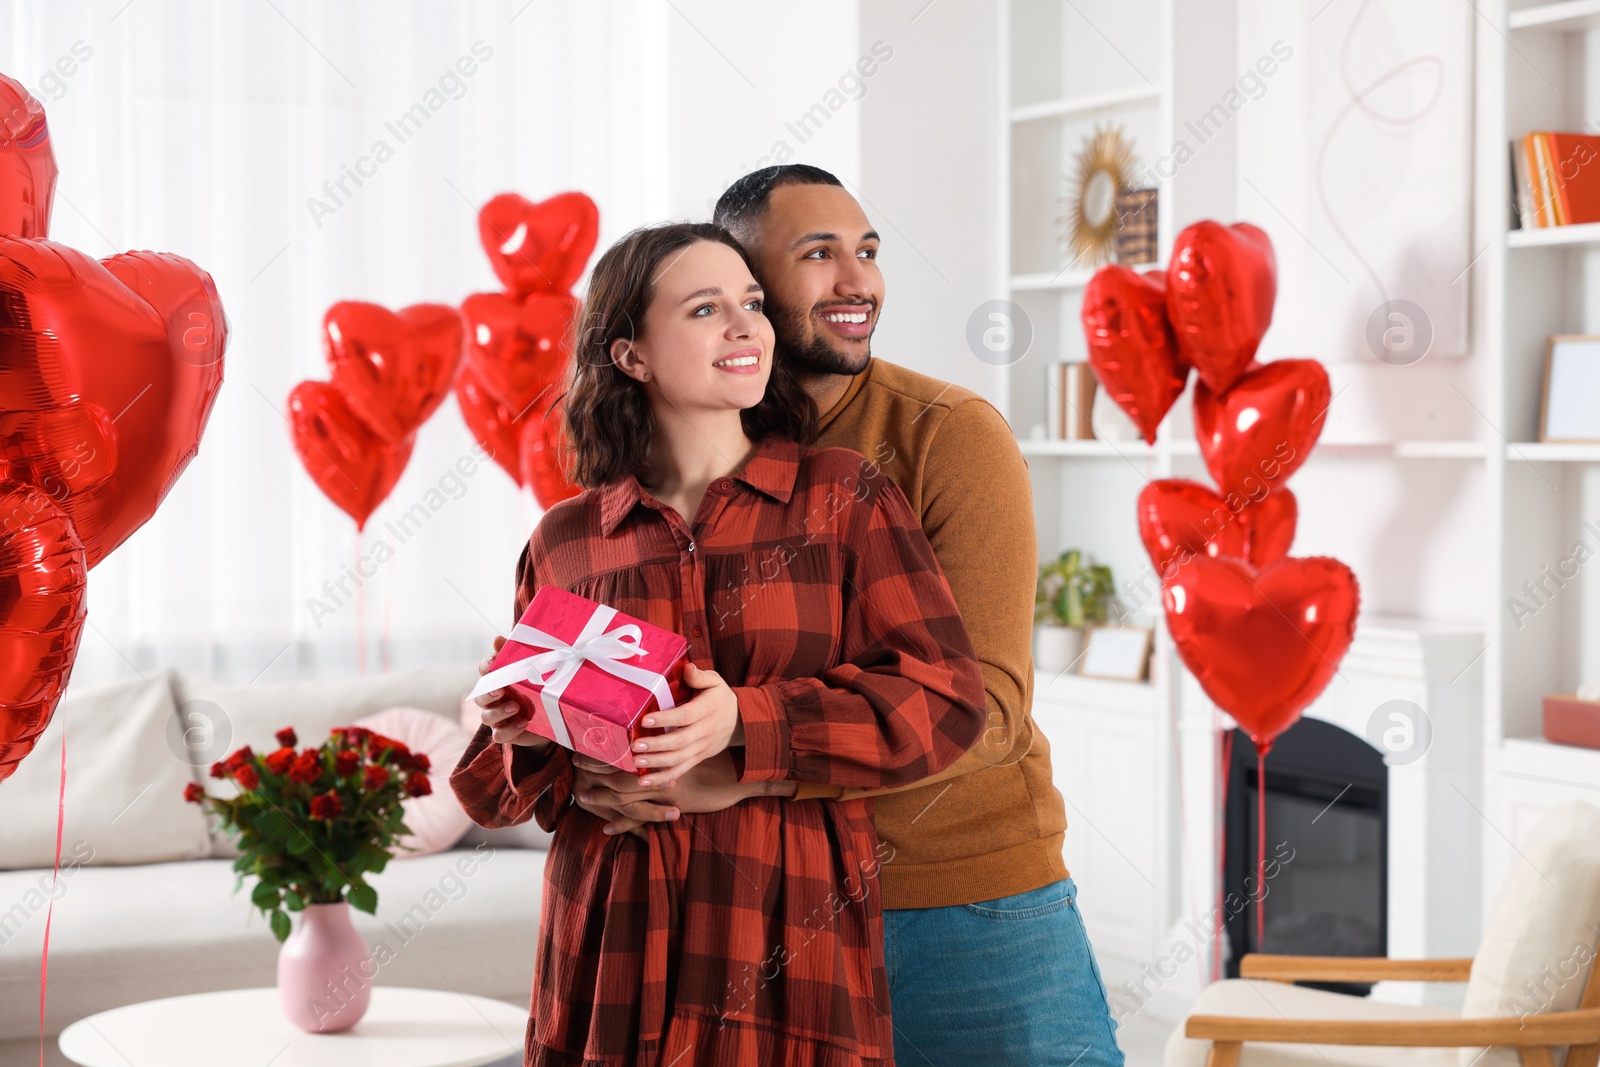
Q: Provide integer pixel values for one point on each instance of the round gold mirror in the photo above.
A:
(1104, 166)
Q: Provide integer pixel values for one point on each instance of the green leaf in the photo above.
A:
(280, 925)
(363, 898)
(293, 901)
(265, 895)
(300, 843)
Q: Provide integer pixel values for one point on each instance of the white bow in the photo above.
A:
(553, 670)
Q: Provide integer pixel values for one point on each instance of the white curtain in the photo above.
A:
(208, 128)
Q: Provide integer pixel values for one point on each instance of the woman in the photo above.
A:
(824, 646)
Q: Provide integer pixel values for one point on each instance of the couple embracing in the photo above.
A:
(847, 850)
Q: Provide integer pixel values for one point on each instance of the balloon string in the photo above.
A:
(388, 603)
(44, 957)
(1224, 770)
(1261, 846)
(361, 605)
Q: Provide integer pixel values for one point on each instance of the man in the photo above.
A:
(987, 958)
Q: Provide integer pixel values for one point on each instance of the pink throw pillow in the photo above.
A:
(436, 821)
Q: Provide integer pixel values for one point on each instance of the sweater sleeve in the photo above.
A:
(906, 701)
(978, 516)
(501, 784)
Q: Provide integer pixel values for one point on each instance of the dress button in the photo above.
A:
(696, 631)
(691, 546)
(725, 484)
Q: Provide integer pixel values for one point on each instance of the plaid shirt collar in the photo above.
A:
(771, 470)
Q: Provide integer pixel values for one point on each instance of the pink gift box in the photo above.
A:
(587, 673)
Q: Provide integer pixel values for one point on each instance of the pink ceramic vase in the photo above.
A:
(325, 971)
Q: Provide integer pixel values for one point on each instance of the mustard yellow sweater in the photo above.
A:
(993, 824)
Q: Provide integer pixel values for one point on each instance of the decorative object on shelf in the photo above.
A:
(1105, 166)
(1137, 231)
(1069, 400)
(1071, 594)
(1120, 653)
(292, 812)
(1573, 719)
(1551, 182)
(1570, 410)
(1132, 348)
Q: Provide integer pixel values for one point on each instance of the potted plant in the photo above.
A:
(310, 826)
(1071, 594)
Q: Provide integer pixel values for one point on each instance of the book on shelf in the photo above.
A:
(1069, 400)
(1556, 179)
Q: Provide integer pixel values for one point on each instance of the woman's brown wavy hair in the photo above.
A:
(608, 419)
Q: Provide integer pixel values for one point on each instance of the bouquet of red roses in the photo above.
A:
(310, 825)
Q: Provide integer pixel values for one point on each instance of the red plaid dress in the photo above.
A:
(750, 936)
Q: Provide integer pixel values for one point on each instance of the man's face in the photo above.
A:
(817, 258)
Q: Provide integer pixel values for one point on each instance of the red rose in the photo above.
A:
(278, 762)
(194, 792)
(247, 778)
(345, 763)
(421, 762)
(306, 767)
(326, 806)
(286, 737)
(376, 777)
(239, 758)
(418, 786)
(219, 769)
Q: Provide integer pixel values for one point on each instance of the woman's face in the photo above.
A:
(706, 345)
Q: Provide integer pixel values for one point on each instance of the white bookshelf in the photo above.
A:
(1536, 282)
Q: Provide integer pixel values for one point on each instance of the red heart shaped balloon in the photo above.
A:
(27, 163)
(42, 579)
(1221, 284)
(1131, 346)
(108, 371)
(1271, 521)
(520, 349)
(354, 467)
(1262, 644)
(544, 443)
(539, 248)
(394, 368)
(493, 425)
(1258, 433)
(1180, 519)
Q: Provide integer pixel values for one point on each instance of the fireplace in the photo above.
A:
(1327, 803)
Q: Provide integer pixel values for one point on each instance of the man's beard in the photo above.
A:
(816, 356)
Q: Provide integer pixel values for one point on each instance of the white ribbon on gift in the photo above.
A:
(552, 671)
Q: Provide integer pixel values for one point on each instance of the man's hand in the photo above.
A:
(505, 717)
(619, 798)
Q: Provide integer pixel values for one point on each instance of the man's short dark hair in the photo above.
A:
(745, 201)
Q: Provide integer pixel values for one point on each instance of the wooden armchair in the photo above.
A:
(1545, 923)
(1533, 1037)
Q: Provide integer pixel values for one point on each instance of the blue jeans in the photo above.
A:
(1007, 981)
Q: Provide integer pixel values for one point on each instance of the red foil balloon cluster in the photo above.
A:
(519, 345)
(1263, 633)
(108, 372)
(389, 372)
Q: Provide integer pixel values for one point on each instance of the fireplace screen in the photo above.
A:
(1326, 889)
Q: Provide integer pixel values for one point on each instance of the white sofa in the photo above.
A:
(145, 905)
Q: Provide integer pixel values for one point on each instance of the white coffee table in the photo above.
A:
(246, 1028)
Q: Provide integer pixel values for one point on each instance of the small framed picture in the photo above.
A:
(1571, 409)
(1121, 653)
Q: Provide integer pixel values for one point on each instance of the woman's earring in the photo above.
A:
(646, 377)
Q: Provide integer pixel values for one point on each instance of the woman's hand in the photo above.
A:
(701, 728)
(501, 710)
